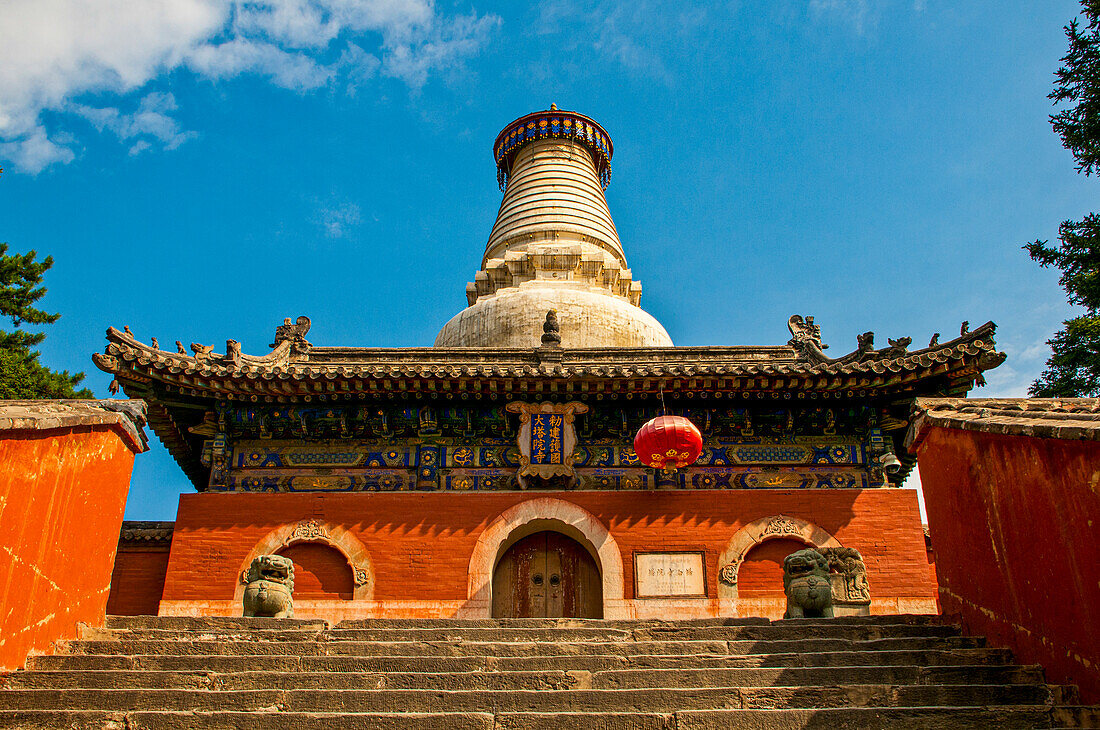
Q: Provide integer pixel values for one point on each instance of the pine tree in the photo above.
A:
(21, 375)
(1074, 368)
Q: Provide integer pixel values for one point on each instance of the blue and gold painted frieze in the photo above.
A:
(474, 448)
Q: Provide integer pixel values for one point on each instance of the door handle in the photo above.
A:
(555, 579)
(537, 579)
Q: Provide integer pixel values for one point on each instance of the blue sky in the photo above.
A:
(201, 169)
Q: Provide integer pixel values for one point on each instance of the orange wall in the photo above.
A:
(421, 543)
(62, 495)
(763, 566)
(1015, 522)
(137, 581)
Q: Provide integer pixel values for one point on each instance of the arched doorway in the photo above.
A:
(547, 574)
(321, 572)
(761, 571)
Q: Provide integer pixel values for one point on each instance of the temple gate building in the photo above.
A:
(493, 474)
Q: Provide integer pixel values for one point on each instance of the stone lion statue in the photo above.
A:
(269, 587)
(807, 585)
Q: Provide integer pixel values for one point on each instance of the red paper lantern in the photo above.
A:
(668, 442)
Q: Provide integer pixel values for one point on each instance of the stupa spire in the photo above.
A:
(553, 167)
(554, 233)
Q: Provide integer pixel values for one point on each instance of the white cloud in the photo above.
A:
(33, 152)
(1026, 360)
(55, 53)
(413, 57)
(631, 34)
(337, 219)
(151, 121)
(856, 12)
(290, 70)
(862, 16)
(359, 67)
(140, 146)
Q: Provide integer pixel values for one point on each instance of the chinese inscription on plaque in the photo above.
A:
(661, 575)
(547, 438)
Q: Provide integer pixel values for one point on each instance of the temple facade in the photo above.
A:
(494, 473)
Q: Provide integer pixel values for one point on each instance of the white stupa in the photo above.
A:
(553, 246)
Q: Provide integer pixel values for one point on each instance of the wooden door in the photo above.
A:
(547, 575)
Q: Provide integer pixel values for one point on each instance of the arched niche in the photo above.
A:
(316, 531)
(538, 515)
(758, 531)
(321, 572)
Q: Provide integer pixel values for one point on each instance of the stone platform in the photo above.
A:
(858, 672)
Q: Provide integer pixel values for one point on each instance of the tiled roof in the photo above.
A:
(291, 371)
(1061, 418)
(136, 533)
(41, 415)
(180, 386)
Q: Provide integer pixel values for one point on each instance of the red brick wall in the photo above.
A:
(137, 581)
(421, 543)
(320, 571)
(1015, 522)
(763, 566)
(62, 495)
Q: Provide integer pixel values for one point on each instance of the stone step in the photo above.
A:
(849, 718)
(492, 648)
(912, 672)
(564, 662)
(189, 623)
(520, 634)
(92, 719)
(665, 700)
(1076, 716)
(514, 680)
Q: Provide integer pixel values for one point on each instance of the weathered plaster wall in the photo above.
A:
(62, 494)
(1015, 522)
(137, 581)
(420, 545)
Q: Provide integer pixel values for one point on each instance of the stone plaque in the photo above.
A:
(669, 575)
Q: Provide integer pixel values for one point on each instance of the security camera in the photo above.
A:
(890, 462)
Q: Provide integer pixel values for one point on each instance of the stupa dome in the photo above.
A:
(553, 246)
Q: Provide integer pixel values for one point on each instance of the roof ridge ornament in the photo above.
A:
(293, 333)
(551, 330)
(550, 350)
(806, 341)
(806, 337)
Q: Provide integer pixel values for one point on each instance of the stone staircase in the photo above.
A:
(858, 672)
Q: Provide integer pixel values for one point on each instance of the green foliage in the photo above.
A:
(1074, 368)
(1079, 85)
(21, 375)
(1072, 371)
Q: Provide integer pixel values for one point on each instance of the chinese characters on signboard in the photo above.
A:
(546, 441)
(547, 438)
(659, 575)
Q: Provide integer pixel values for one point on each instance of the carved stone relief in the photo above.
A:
(307, 530)
(849, 577)
(781, 526)
(728, 573)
